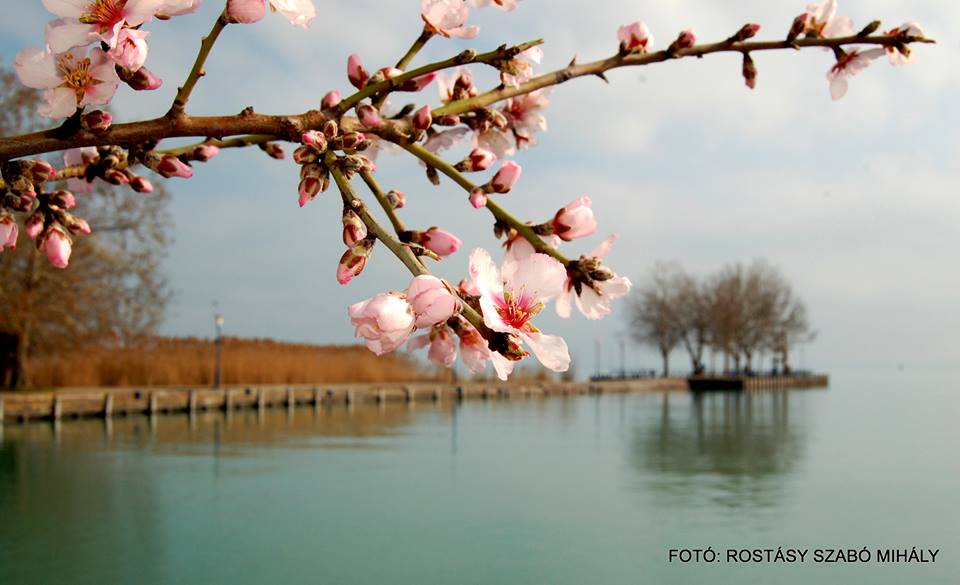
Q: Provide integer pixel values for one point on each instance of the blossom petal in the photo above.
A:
(502, 365)
(564, 304)
(61, 103)
(538, 274)
(65, 8)
(551, 350)
(36, 68)
(298, 12)
(63, 35)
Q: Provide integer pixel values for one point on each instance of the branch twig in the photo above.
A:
(183, 93)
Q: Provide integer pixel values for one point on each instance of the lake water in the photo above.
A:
(585, 490)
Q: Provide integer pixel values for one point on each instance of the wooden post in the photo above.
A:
(316, 396)
(57, 407)
(381, 397)
(2, 408)
(261, 399)
(436, 394)
(459, 393)
(410, 394)
(107, 404)
(291, 398)
(228, 400)
(154, 402)
(349, 397)
(192, 402)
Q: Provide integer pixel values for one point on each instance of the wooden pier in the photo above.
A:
(755, 383)
(113, 402)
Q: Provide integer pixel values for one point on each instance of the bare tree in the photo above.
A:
(656, 312)
(113, 292)
(693, 306)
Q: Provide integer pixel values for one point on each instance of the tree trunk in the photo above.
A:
(21, 372)
(666, 363)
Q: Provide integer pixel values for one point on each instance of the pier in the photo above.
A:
(113, 402)
(754, 383)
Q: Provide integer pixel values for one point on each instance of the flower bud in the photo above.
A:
(447, 120)
(140, 80)
(305, 153)
(63, 200)
(97, 121)
(431, 300)
(438, 241)
(685, 40)
(115, 177)
(747, 31)
(140, 184)
(354, 229)
(310, 187)
(369, 116)
(8, 232)
(34, 225)
(245, 11)
(796, 29)
(353, 260)
(316, 139)
(56, 245)
(357, 75)
(312, 170)
(77, 225)
(418, 83)
(273, 150)
(42, 171)
(479, 159)
(205, 152)
(348, 141)
(478, 198)
(423, 118)
(171, 166)
(330, 129)
(576, 220)
(635, 37)
(396, 199)
(330, 100)
(506, 177)
(749, 71)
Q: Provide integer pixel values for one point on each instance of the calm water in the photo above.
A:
(579, 490)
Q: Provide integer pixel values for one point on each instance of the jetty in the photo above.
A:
(753, 383)
(23, 406)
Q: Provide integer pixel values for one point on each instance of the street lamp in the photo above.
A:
(218, 323)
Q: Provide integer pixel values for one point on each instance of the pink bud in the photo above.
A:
(305, 153)
(747, 31)
(482, 159)
(354, 229)
(575, 220)
(141, 185)
(56, 245)
(749, 71)
(141, 80)
(33, 226)
(635, 37)
(478, 198)
(396, 198)
(245, 11)
(369, 116)
(78, 225)
(130, 48)
(431, 300)
(448, 120)
(315, 139)
(686, 39)
(273, 150)
(205, 152)
(350, 140)
(97, 121)
(357, 75)
(384, 321)
(308, 189)
(353, 260)
(42, 171)
(423, 119)
(8, 232)
(506, 177)
(390, 72)
(115, 177)
(418, 83)
(440, 242)
(171, 166)
(330, 100)
(330, 129)
(63, 199)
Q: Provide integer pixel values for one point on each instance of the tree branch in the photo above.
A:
(371, 182)
(183, 93)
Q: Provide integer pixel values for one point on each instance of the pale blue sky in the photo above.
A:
(855, 201)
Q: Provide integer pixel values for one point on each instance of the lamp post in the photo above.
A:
(218, 342)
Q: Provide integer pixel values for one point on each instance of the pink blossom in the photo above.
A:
(510, 298)
(72, 79)
(496, 141)
(519, 248)
(298, 12)
(422, 118)
(575, 220)
(481, 159)
(130, 52)
(440, 242)
(33, 226)
(902, 55)
(478, 198)
(87, 20)
(506, 177)
(458, 85)
(384, 321)
(8, 232)
(446, 139)
(520, 69)
(356, 72)
(847, 65)
(822, 21)
(447, 18)
(635, 36)
(330, 99)
(506, 5)
(56, 245)
(524, 113)
(177, 8)
(473, 348)
(443, 345)
(431, 300)
(594, 302)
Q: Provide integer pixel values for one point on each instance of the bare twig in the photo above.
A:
(183, 93)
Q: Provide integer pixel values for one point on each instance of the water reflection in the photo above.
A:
(732, 449)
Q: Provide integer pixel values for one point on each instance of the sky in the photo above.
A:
(854, 200)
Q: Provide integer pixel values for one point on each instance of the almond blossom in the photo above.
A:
(130, 51)
(593, 300)
(8, 232)
(576, 220)
(822, 20)
(384, 321)
(524, 113)
(72, 79)
(511, 297)
(847, 65)
(56, 245)
(635, 36)
(84, 21)
(520, 69)
(440, 242)
(442, 342)
(298, 12)
(506, 5)
(76, 157)
(901, 55)
(177, 8)
(447, 18)
(431, 300)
